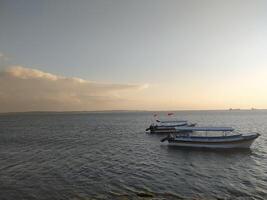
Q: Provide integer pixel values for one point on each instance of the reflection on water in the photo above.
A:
(108, 156)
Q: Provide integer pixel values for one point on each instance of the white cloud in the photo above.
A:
(3, 57)
(25, 89)
(26, 73)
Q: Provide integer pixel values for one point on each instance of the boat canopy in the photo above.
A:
(204, 128)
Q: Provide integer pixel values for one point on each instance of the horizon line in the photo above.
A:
(131, 110)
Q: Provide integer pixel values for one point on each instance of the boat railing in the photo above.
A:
(191, 130)
(223, 129)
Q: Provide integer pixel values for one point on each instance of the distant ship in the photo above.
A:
(234, 109)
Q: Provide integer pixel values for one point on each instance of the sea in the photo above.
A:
(108, 155)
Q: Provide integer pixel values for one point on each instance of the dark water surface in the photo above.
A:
(108, 156)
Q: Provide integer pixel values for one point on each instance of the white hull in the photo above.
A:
(168, 129)
(164, 131)
(244, 144)
(230, 142)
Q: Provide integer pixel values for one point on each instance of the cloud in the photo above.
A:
(25, 89)
(3, 57)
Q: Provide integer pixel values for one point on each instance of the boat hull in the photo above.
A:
(168, 129)
(235, 142)
(163, 130)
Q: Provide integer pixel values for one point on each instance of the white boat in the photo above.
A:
(225, 141)
(168, 126)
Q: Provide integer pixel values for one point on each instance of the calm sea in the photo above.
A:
(82, 156)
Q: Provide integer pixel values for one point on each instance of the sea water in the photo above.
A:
(108, 155)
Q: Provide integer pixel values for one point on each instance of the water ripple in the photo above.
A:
(108, 156)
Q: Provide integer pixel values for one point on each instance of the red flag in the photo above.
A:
(169, 114)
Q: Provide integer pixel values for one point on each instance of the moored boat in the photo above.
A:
(168, 126)
(225, 141)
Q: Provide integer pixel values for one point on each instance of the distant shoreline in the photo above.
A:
(126, 111)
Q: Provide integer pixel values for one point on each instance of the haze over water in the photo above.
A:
(109, 156)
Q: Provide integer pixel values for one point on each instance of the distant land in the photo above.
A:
(125, 111)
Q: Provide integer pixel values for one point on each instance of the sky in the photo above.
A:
(132, 55)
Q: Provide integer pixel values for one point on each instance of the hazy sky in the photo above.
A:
(144, 54)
